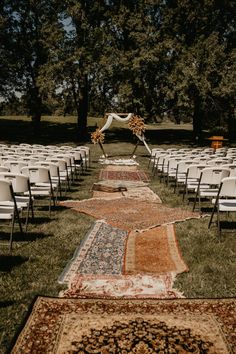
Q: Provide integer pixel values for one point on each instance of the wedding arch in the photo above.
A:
(135, 123)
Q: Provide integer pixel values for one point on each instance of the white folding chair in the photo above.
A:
(192, 178)
(225, 201)
(209, 182)
(20, 185)
(181, 172)
(54, 174)
(40, 183)
(11, 212)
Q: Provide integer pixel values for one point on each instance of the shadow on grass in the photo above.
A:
(8, 262)
(19, 131)
(6, 303)
(155, 136)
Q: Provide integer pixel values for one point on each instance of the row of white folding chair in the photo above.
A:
(65, 175)
(49, 149)
(194, 173)
(156, 159)
(82, 154)
(179, 169)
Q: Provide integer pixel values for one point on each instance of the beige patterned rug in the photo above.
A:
(139, 193)
(129, 214)
(125, 286)
(148, 326)
(153, 252)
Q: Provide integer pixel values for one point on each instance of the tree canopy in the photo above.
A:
(151, 57)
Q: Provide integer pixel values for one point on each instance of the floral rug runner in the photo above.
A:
(60, 325)
(154, 251)
(118, 162)
(128, 214)
(123, 175)
(124, 286)
(101, 252)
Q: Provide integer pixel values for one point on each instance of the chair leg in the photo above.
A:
(11, 233)
(218, 225)
(195, 201)
(212, 215)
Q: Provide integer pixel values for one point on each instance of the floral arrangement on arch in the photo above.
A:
(136, 124)
(98, 137)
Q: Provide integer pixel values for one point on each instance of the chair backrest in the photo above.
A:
(6, 192)
(194, 171)
(213, 175)
(37, 174)
(60, 162)
(228, 187)
(20, 182)
(220, 161)
(4, 169)
(15, 166)
(232, 168)
(182, 166)
(28, 159)
(53, 168)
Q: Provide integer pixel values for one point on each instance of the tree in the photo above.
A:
(75, 46)
(25, 35)
(203, 55)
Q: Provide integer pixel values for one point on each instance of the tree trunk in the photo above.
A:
(197, 120)
(82, 110)
(232, 126)
(35, 109)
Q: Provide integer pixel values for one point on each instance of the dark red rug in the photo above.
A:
(124, 175)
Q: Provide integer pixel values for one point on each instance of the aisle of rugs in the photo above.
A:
(131, 250)
(119, 292)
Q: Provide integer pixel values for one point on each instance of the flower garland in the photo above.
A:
(136, 124)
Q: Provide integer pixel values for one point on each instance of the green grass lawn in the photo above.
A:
(38, 259)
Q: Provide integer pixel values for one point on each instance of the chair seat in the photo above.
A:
(208, 192)
(6, 213)
(39, 192)
(9, 203)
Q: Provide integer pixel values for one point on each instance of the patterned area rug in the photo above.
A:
(102, 252)
(121, 184)
(125, 286)
(154, 251)
(119, 162)
(120, 168)
(140, 193)
(129, 326)
(123, 175)
(127, 214)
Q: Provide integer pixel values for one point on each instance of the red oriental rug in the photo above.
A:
(129, 326)
(129, 214)
(154, 251)
(123, 175)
